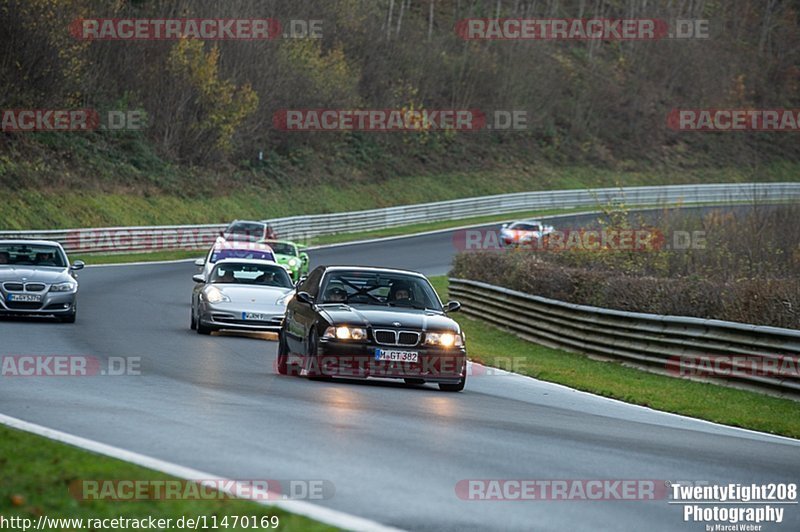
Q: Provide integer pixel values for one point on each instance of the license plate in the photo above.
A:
(390, 355)
(255, 316)
(25, 298)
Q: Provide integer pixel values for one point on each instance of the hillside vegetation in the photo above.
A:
(597, 110)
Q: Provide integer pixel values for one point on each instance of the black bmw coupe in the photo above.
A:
(359, 322)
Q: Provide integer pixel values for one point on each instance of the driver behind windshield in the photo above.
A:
(335, 294)
(400, 292)
(4, 257)
(226, 277)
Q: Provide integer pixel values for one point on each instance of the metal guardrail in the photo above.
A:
(683, 346)
(132, 239)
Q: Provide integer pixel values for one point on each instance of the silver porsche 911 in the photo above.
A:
(249, 294)
(37, 279)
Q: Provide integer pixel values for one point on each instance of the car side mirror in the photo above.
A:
(452, 306)
(198, 278)
(200, 263)
(77, 265)
(305, 297)
(304, 258)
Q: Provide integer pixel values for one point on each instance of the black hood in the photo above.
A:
(389, 317)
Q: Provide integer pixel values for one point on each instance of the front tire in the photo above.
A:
(453, 387)
(313, 371)
(283, 356)
(194, 322)
(202, 329)
(69, 318)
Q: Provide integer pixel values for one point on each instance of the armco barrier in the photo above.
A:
(132, 239)
(680, 345)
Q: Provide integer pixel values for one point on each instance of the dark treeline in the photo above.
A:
(211, 103)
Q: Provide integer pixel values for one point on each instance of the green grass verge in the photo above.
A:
(34, 208)
(117, 258)
(494, 347)
(36, 473)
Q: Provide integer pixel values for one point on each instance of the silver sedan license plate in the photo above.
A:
(25, 298)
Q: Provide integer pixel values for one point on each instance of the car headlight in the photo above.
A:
(293, 263)
(285, 299)
(445, 339)
(345, 333)
(68, 286)
(215, 295)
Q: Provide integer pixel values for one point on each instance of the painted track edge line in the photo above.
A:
(324, 515)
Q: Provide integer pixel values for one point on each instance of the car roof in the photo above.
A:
(373, 269)
(238, 244)
(21, 241)
(248, 261)
(259, 222)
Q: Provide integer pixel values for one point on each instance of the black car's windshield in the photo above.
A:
(359, 287)
(255, 274)
(31, 255)
(283, 248)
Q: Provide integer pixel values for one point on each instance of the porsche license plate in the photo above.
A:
(391, 355)
(255, 316)
(25, 298)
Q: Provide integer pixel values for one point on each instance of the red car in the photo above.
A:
(248, 231)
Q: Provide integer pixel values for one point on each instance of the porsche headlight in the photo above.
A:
(444, 339)
(68, 286)
(215, 295)
(293, 263)
(285, 299)
(345, 333)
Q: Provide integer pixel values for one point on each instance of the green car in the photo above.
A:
(288, 254)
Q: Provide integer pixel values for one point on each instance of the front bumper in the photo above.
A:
(233, 316)
(357, 360)
(52, 304)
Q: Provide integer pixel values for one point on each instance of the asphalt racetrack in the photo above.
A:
(393, 453)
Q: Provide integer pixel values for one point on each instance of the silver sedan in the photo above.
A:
(249, 294)
(36, 279)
